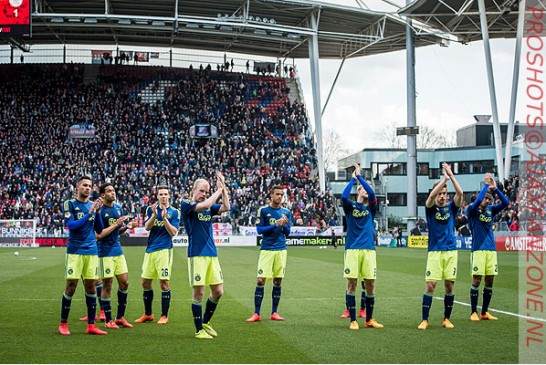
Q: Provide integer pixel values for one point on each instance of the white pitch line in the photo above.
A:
(500, 311)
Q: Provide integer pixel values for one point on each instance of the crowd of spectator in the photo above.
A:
(138, 145)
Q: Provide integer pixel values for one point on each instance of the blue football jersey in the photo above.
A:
(81, 241)
(159, 238)
(199, 228)
(441, 226)
(109, 245)
(273, 238)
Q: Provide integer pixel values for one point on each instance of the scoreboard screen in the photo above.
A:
(15, 18)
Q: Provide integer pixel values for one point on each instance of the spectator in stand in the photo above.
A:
(257, 144)
(514, 226)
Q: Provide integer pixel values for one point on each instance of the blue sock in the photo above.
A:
(487, 294)
(363, 300)
(350, 302)
(258, 297)
(165, 302)
(107, 307)
(427, 303)
(276, 293)
(448, 304)
(197, 311)
(370, 302)
(148, 297)
(91, 302)
(99, 294)
(474, 293)
(210, 307)
(122, 303)
(65, 307)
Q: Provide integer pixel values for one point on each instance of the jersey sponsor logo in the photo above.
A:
(272, 221)
(204, 217)
(360, 213)
(442, 218)
(112, 221)
(158, 223)
(484, 218)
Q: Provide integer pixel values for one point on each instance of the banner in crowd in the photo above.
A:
(264, 66)
(218, 229)
(81, 131)
(520, 243)
(248, 231)
(384, 240)
(140, 56)
(22, 231)
(101, 57)
(222, 229)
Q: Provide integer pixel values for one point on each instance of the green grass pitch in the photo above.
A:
(312, 302)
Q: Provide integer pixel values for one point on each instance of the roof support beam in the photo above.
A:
(315, 85)
(515, 81)
(492, 91)
(411, 123)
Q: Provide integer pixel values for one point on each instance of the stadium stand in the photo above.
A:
(141, 118)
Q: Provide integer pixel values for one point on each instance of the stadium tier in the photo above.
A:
(137, 127)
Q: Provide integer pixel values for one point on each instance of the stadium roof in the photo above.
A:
(273, 28)
(461, 18)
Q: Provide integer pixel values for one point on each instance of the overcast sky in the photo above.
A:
(451, 85)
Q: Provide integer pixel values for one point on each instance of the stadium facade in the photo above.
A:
(387, 168)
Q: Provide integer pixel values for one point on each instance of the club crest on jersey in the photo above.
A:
(119, 211)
